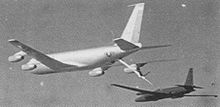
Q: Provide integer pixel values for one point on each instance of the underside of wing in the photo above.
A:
(44, 59)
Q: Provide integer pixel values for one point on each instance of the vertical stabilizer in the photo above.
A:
(189, 79)
(131, 32)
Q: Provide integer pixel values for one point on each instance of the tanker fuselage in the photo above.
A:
(84, 59)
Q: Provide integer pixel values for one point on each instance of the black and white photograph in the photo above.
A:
(109, 53)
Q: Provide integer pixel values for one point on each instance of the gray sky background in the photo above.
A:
(64, 25)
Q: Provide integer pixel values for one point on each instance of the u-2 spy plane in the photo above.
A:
(172, 92)
(99, 59)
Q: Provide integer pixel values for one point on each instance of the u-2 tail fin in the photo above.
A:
(189, 78)
(131, 32)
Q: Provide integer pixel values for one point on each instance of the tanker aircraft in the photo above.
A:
(172, 92)
(98, 60)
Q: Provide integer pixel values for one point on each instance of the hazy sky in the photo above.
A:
(191, 26)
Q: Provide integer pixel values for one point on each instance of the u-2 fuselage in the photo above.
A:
(172, 92)
(84, 59)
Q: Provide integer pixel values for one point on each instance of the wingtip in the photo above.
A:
(12, 40)
(198, 87)
(137, 4)
(168, 45)
(113, 84)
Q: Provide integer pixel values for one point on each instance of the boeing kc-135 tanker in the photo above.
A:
(98, 59)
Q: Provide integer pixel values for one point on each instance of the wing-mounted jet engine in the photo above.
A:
(27, 67)
(19, 56)
(98, 72)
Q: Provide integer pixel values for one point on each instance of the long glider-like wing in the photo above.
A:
(138, 90)
(201, 95)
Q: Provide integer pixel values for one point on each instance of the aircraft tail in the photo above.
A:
(189, 79)
(131, 32)
(129, 39)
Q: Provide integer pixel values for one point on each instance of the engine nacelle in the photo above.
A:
(27, 67)
(17, 57)
(128, 70)
(96, 72)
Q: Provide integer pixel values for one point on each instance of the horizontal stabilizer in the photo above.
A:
(193, 86)
(157, 46)
(125, 45)
(197, 87)
(44, 59)
(141, 64)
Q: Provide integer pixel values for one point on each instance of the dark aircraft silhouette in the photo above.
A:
(172, 92)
